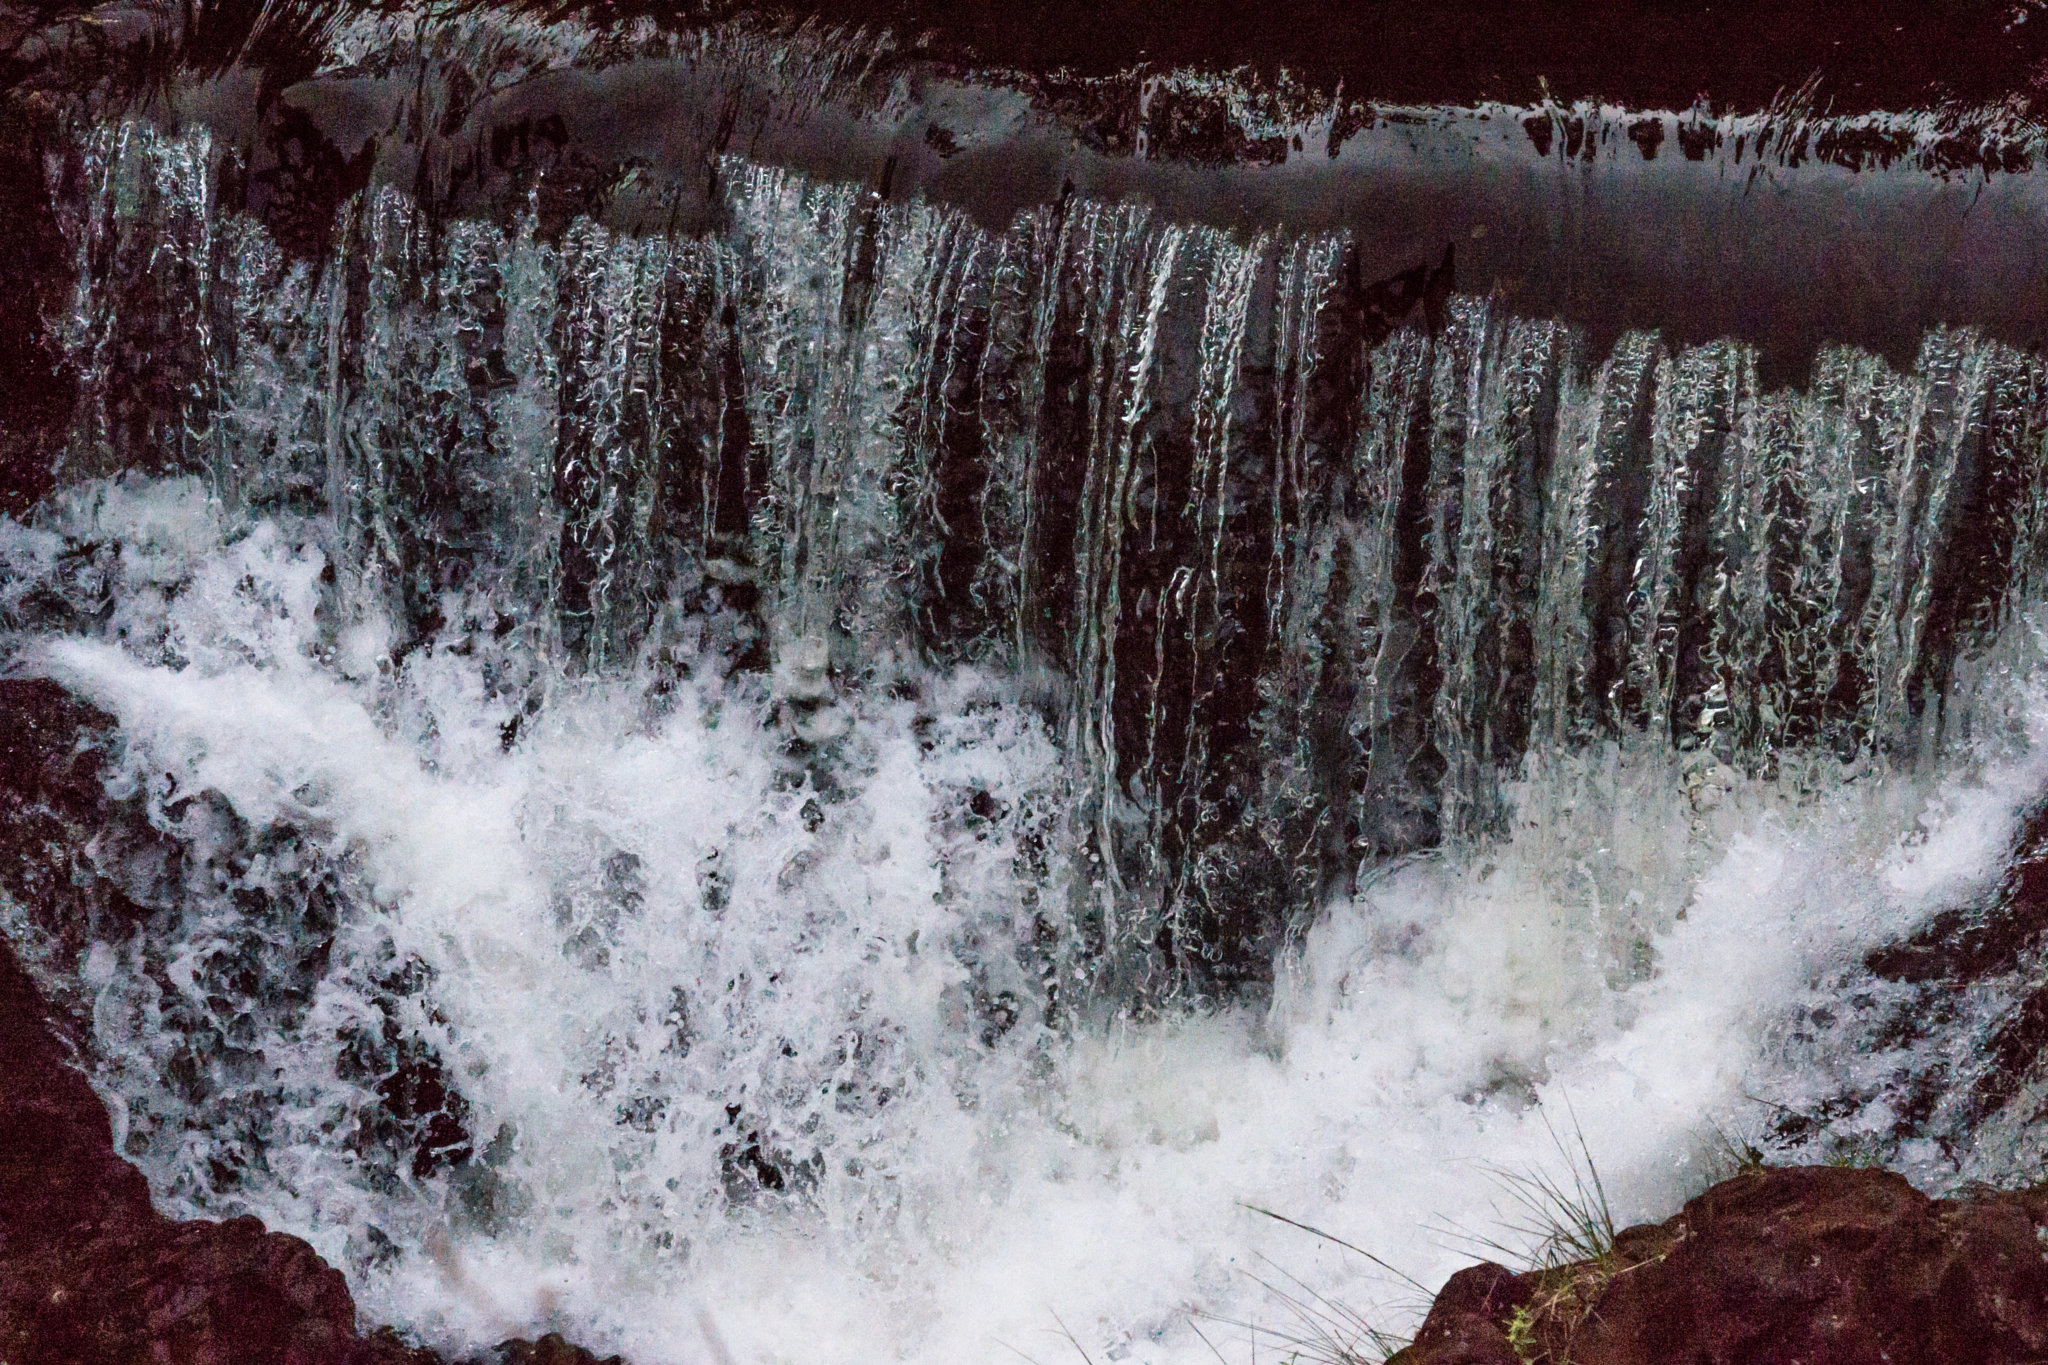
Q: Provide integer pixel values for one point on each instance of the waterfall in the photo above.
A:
(813, 670)
(1157, 462)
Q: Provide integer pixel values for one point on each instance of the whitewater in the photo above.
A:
(842, 783)
(639, 921)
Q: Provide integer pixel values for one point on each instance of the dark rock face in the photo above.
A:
(1960, 1012)
(1809, 1264)
(37, 388)
(1464, 1324)
(51, 807)
(549, 1350)
(89, 1271)
(1743, 53)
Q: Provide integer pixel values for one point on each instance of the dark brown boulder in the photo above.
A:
(549, 1350)
(1463, 1327)
(1812, 1265)
(37, 384)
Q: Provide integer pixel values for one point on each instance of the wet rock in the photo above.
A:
(303, 181)
(1741, 53)
(90, 1272)
(1463, 1327)
(549, 1350)
(52, 805)
(37, 386)
(1201, 129)
(1985, 939)
(1970, 979)
(1810, 1263)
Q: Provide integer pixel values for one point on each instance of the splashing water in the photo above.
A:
(729, 1038)
(860, 788)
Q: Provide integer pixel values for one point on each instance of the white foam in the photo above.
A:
(1615, 964)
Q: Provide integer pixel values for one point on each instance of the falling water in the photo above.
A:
(874, 776)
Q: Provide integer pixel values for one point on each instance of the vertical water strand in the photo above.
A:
(1302, 735)
(1986, 629)
(422, 425)
(500, 414)
(608, 340)
(1960, 519)
(1056, 231)
(87, 331)
(184, 263)
(1698, 393)
(378, 409)
(349, 277)
(1198, 592)
(1191, 578)
(1486, 557)
(774, 307)
(939, 490)
(1008, 386)
(843, 539)
(1937, 455)
(141, 332)
(915, 259)
(1308, 275)
(1123, 406)
(1845, 461)
(844, 335)
(1900, 490)
(2018, 455)
(1842, 425)
(1398, 796)
(796, 235)
(1133, 268)
(1574, 529)
(1756, 628)
(1544, 364)
(340, 541)
(1457, 386)
(185, 175)
(942, 274)
(709, 473)
(524, 403)
(1595, 506)
(960, 488)
(1824, 563)
(271, 391)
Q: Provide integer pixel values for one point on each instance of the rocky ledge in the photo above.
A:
(1817, 1265)
(90, 1272)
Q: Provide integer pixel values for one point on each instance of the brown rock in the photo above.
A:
(1464, 1324)
(549, 1350)
(1778, 1266)
(37, 385)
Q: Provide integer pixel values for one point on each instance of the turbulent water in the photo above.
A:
(850, 786)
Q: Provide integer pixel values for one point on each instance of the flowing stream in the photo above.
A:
(851, 786)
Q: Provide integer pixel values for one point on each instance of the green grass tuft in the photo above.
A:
(1559, 1221)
